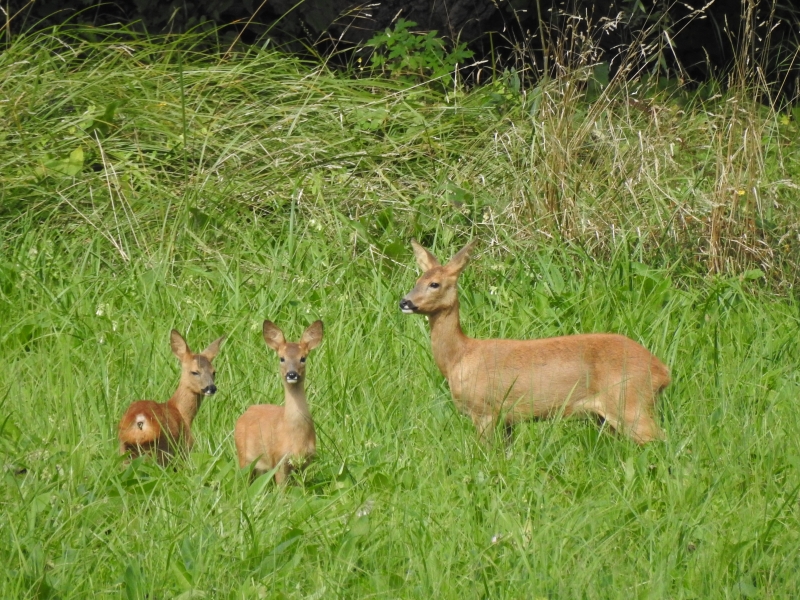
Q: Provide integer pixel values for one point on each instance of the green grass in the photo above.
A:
(213, 206)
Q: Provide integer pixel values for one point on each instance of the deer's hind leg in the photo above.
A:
(484, 425)
(626, 413)
(639, 402)
(644, 429)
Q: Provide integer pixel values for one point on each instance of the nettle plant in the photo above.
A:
(405, 54)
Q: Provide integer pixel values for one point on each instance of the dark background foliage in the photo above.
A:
(694, 40)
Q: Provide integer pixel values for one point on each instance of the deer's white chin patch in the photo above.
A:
(292, 381)
(407, 311)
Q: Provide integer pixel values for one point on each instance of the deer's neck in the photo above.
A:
(447, 339)
(187, 403)
(297, 413)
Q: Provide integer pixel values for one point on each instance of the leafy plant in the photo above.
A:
(403, 53)
(68, 166)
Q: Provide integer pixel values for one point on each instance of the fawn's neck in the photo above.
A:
(297, 412)
(447, 339)
(187, 403)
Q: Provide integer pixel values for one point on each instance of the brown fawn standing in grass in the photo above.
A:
(165, 428)
(282, 436)
(606, 374)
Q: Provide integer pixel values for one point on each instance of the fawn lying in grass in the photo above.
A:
(162, 429)
(511, 380)
(270, 435)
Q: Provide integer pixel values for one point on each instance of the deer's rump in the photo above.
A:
(146, 422)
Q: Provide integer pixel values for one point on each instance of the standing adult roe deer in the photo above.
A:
(271, 435)
(606, 374)
(164, 428)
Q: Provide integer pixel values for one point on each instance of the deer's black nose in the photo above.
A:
(407, 305)
(292, 377)
(210, 390)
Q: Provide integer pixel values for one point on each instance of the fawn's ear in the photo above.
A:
(213, 348)
(461, 258)
(425, 259)
(312, 337)
(273, 336)
(179, 346)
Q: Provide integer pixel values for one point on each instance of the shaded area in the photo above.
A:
(693, 40)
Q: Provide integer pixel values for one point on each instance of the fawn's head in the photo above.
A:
(293, 355)
(437, 287)
(197, 372)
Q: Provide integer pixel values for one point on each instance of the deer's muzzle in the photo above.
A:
(407, 306)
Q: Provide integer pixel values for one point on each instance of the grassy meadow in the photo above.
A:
(149, 185)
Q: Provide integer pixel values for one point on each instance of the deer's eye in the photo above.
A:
(302, 360)
(196, 373)
(433, 285)
(283, 359)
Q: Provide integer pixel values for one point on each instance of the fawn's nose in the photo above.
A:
(210, 390)
(292, 377)
(407, 306)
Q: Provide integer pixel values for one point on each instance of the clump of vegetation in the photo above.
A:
(401, 53)
(704, 180)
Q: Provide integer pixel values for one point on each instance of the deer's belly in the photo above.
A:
(518, 394)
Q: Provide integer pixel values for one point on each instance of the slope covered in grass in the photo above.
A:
(149, 186)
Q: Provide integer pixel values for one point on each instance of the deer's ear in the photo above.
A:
(425, 259)
(312, 337)
(273, 336)
(213, 348)
(179, 346)
(461, 258)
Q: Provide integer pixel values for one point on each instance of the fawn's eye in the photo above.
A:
(433, 285)
(302, 360)
(195, 373)
(283, 359)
